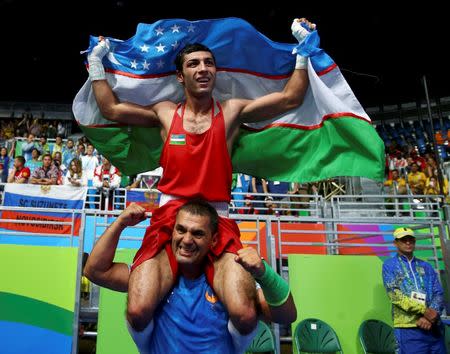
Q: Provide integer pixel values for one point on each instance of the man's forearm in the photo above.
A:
(105, 97)
(100, 261)
(405, 303)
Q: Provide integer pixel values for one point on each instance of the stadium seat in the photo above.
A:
(315, 336)
(264, 340)
(377, 337)
(436, 125)
(443, 152)
(447, 123)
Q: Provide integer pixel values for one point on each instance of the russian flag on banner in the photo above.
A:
(149, 199)
(329, 135)
(47, 197)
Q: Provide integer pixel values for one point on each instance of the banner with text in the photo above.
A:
(48, 197)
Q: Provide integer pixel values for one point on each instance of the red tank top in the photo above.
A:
(197, 165)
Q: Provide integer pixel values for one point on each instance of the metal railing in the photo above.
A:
(268, 230)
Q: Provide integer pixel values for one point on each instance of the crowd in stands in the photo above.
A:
(58, 163)
(253, 195)
(46, 157)
(27, 124)
(408, 172)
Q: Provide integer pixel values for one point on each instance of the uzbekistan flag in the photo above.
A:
(329, 135)
(45, 197)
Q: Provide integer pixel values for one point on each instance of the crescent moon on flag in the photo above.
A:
(113, 59)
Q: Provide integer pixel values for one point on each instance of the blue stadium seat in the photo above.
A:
(437, 124)
(447, 123)
(443, 152)
(421, 145)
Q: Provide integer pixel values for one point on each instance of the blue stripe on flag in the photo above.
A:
(153, 49)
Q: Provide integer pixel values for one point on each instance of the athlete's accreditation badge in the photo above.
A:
(177, 139)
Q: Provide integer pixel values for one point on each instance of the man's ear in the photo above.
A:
(214, 239)
(180, 77)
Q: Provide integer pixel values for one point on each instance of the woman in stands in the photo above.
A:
(4, 164)
(75, 176)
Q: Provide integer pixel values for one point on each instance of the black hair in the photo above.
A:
(188, 49)
(202, 208)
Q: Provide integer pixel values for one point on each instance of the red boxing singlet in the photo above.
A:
(194, 165)
(197, 165)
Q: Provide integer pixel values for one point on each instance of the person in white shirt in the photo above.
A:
(89, 162)
(106, 179)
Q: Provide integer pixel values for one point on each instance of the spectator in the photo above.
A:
(35, 161)
(399, 163)
(248, 206)
(106, 179)
(8, 129)
(43, 146)
(4, 164)
(75, 176)
(89, 162)
(58, 146)
(19, 173)
(47, 174)
(60, 166)
(419, 160)
(57, 160)
(417, 298)
(27, 147)
(431, 169)
(396, 184)
(432, 186)
(69, 152)
(416, 179)
(35, 128)
(51, 131)
(80, 151)
(271, 207)
(61, 129)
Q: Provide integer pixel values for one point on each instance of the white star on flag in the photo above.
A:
(134, 64)
(160, 47)
(191, 28)
(160, 64)
(146, 65)
(144, 48)
(175, 28)
(175, 45)
(159, 31)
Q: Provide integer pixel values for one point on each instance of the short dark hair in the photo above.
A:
(188, 49)
(202, 208)
(21, 159)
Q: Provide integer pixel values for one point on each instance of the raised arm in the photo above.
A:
(100, 267)
(108, 103)
(275, 299)
(291, 96)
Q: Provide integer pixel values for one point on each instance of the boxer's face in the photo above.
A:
(192, 239)
(199, 72)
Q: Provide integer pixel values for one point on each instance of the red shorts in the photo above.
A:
(159, 235)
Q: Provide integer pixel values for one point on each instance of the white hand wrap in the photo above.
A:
(96, 70)
(300, 33)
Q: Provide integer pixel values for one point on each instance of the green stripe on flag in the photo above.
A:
(344, 146)
(341, 147)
